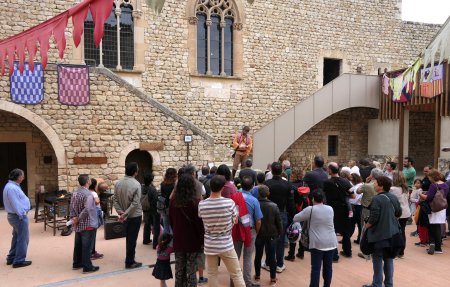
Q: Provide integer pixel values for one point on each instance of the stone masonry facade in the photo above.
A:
(283, 47)
(351, 128)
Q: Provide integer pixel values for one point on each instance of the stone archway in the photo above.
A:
(42, 125)
(156, 159)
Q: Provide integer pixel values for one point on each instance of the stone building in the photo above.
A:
(166, 78)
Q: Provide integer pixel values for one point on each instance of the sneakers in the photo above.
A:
(202, 280)
(96, 256)
(342, 253)
(289, 258)
(273, 281)
(281, 269)
(438, 252)
(430, 250)
(301, 256)
(414, 234)
(265, 267)
(420, 244)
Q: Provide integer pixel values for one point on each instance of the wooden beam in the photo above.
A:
(401, 138)
(437, 134)
(89, 160)
(151, 146)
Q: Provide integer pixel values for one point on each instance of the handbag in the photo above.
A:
(366, 247)
(304, 238)
(439, 202)
(416, 215)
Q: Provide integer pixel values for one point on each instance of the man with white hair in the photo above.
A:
(353, 167)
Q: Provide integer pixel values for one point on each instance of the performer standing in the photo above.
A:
(242, 145)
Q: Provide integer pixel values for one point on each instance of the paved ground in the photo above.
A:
(52, 261)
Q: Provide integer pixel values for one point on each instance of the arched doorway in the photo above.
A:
(24, 145)
(144, 161)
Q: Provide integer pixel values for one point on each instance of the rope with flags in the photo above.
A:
(56, 26)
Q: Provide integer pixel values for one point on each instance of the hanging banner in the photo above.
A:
(434, 86)
(27, 88)
(73, 85)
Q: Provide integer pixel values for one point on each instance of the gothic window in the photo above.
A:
(215, 19)
(117, 45)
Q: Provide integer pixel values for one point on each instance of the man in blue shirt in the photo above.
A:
(17, 206)
(255, 215)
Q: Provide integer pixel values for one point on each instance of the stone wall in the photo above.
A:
(351, 127)
(284, 46)
(114, 123)
(284, 43)
(13, 128)
(421, 139)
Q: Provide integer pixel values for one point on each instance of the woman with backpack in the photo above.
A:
(437, 199)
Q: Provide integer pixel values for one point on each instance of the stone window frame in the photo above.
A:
(331, 134)
(191, 10)
(138, 37)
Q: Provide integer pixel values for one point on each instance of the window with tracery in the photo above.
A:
(215, 19)
(117, 46)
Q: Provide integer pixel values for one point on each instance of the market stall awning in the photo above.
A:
(440, 44)
(16, 45)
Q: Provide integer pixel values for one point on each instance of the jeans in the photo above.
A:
(269, 244)
(279, 251)
(185, 269)
(132, 226)
(248, 253)
(319, 257)
(20, 239)
(231, 261)
(166, 222)
(356, 219)
(84, 242)
(378, 257)
(402, 222)
(93, 245)
(151, 220)
(301, 249)
(434, 235)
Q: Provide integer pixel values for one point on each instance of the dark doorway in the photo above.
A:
(144, 161)
(331, 69)
(12, 155)
(421, 139)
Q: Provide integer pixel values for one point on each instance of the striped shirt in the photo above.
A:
(218, 215)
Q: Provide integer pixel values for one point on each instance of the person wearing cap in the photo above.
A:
(242, 145)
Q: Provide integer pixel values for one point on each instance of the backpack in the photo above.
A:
(161, 204)
(144, 199)
(302, 198)
(439, 201)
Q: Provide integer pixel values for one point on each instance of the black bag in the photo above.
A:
(366, 247)
(144, 198)
(396, 244)
(234, 154)
(304, 238)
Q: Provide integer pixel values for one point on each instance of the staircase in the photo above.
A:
(344, 92)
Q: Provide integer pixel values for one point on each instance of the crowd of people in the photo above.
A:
(208, 217)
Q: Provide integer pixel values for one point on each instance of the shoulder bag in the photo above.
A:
(439, 202)
(304, 238)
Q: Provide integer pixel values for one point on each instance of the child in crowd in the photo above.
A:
(414, 196)
(162, 269)
(422, 221)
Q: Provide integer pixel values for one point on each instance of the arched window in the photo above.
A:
(215, 19)
(117, 52)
